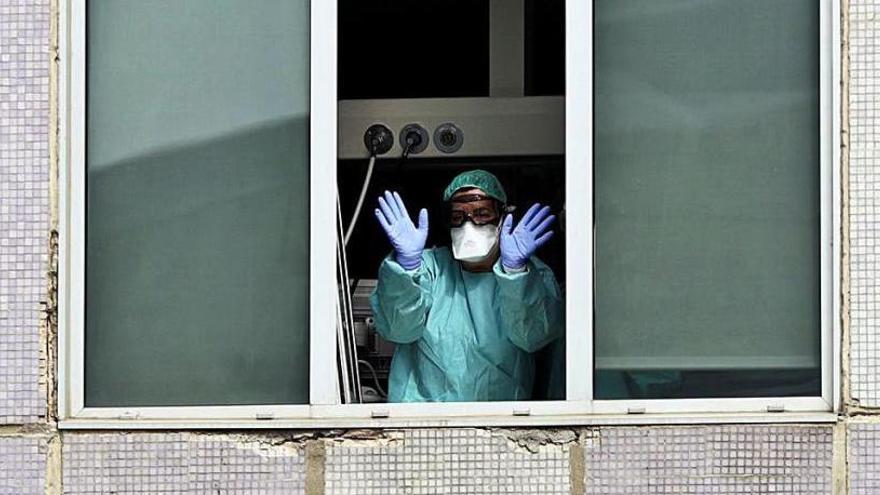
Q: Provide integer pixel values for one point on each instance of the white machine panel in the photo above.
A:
(491, 126)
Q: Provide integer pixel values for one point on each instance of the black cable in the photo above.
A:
(412, 139)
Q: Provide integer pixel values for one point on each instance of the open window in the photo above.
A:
(487, 94)
(212, 153)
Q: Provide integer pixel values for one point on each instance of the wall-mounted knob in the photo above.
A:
(378, 139)
(414, 136)
(448, 138)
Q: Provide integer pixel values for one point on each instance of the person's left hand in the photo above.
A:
(520, 243)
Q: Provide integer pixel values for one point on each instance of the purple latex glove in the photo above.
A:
(407, 239)
(520, 243)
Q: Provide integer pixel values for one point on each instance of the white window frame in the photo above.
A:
(323, 410)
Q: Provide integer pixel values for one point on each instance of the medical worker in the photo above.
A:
(466, 320)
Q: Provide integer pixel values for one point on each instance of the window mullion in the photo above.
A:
(579, 199)
(322, 275)
(72, 171)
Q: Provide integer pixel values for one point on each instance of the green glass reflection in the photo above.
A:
(197, 209)
(706, 198)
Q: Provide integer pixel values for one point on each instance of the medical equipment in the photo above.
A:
(484, 78)
(349, 377)
(378, 140)
(415, 139)
(448, 138)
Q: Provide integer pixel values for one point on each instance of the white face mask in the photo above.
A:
(473, 242)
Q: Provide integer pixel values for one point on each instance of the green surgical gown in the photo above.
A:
(464, 336)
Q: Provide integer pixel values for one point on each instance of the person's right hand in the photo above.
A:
(408, 240)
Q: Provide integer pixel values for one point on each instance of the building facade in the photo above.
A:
(835, 452)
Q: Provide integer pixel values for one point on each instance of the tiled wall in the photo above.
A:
(178, 463)
(864, 205)
(795, 459)
(726, 459)
(22, 465)
(864, 458)
(723, 459)
(446, 461)
(24, 204)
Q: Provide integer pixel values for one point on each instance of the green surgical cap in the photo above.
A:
(476, 178)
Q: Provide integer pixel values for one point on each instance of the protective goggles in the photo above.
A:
(478, 216)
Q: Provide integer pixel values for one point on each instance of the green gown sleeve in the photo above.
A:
(402, 300)
(530, 307)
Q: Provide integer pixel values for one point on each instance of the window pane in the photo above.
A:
(197, 213)
(707, 198)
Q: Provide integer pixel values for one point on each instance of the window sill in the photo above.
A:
(445, 422)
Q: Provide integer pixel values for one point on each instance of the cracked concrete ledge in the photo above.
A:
(28, 430)
(531, 441)
(274, 443)
(861, 418)
(534, 441)
(854, 410)
(266, 445)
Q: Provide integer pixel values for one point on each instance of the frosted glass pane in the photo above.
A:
(198, 197)
(706, 198)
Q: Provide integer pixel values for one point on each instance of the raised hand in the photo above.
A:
(520, 243)
(407, 239)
